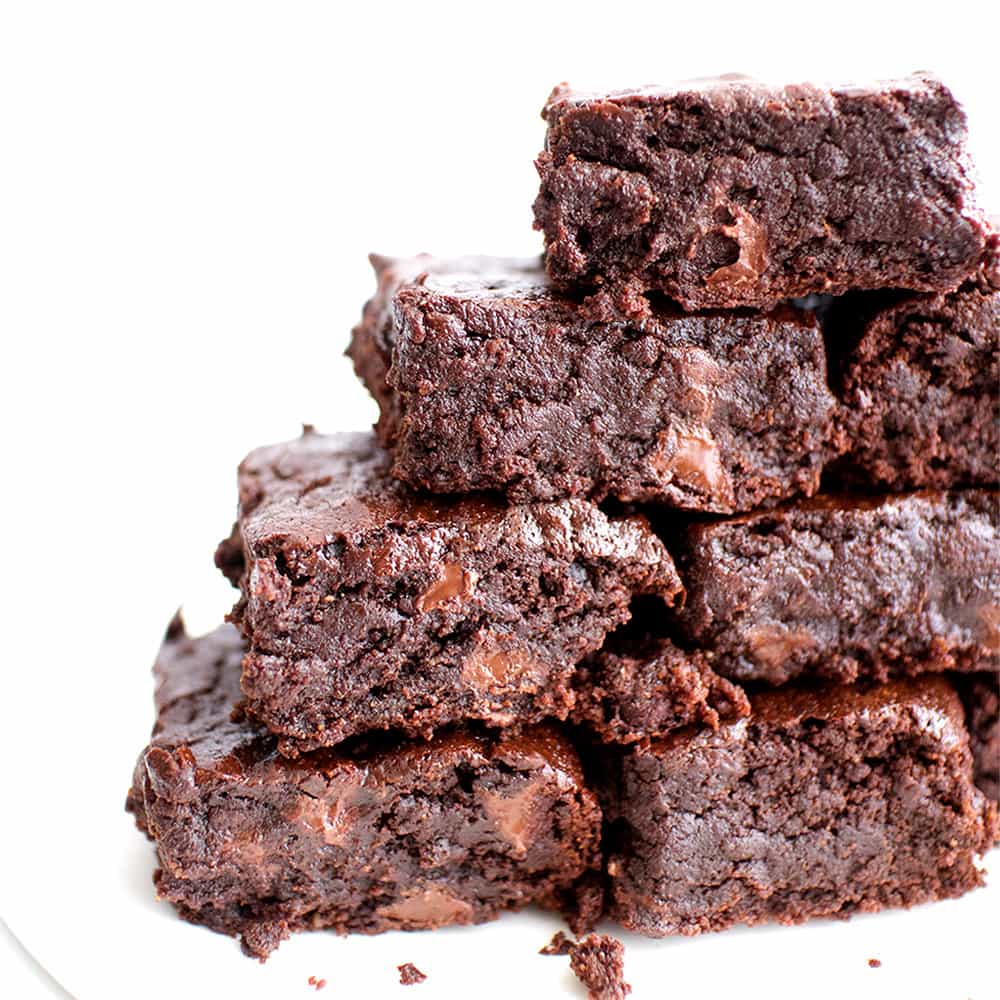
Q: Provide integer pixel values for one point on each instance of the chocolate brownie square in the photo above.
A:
(728, 192)
(368, 606)
(820, 804)
(842, 587)
(488, 380)
(920, 385)
(380, 837)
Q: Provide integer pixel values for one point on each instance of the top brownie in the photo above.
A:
(368, 606)
(724, 193)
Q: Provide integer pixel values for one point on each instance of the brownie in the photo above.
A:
(728, 192)
(981, 695)
(384, 836)
(368, 606)
(820, 804)
(488, 380)
(842, 588)
(641, 686)
(921, 390)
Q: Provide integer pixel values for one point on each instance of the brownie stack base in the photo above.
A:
(815, 806)
(452, 831)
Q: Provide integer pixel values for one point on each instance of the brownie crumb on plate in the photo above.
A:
(559, 945)
(409, 974)
(316, 982)
(598, 961)
(874, 963)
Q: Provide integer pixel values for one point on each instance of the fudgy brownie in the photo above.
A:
(728, 192)
(487, 379)
(408, 836)
(368, 606)
(639, 686)
(819, 804)
(981, 695)
(841, 588)
(921, 389)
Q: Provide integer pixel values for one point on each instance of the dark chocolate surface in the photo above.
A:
(728, 192)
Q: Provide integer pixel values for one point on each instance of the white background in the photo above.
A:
(188, 191)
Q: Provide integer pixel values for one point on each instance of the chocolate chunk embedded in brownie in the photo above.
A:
(820, 804)
(639, 687)
(413, 835)
(729, 192)
(921, 389)
(981, 695)
(487, 379)
(367, 606)
(842, 588)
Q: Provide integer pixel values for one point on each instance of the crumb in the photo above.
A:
(559, 945)
(317, 983)
(598, 962)
(261, 939)
(582, 905)
(874, 963)
(410, 974)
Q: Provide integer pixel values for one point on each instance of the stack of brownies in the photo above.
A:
(668, 587)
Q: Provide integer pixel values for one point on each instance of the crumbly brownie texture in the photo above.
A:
(369, 607)
(598, 961)
(843, 588)
(727, 192)
(487, 379)
(981, 694)
(643, 687)
(921, 391)
(819, 804)
(420, 835)
(409, 974)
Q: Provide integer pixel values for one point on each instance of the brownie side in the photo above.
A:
(414, 835)
(921, 391)
(641, 687)
(981, 696)
(728, 192)
(367, 606)
(488, 380)
(842, 588)
(820, 804)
